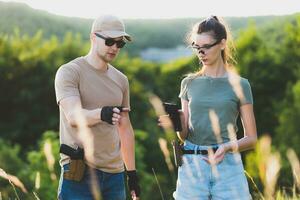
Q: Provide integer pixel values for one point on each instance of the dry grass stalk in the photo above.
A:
(157, 182)
(272, 171)
(264, 150)
(254, 184)
(163, 146)
(233, 141)
(50, 159)
(85, 138)
(13, 180)
(36, 196)
(95, 185)
(235, 80)
(213, 163)
(293, 159)
(37, 180)
(214, 119)
(160, 111)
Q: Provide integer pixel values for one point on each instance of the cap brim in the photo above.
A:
(115, 34)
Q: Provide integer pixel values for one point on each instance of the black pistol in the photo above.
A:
(172, 110)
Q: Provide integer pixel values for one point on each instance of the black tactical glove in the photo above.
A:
(173, 111)
(133, 182)
(107, 113)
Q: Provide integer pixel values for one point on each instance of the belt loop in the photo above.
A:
(195, 149)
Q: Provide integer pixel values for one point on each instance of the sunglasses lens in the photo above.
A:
(109, 42)
(120, 44)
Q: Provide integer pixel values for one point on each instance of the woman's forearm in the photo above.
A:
(243, 144)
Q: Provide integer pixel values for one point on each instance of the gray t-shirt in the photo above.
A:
(214, 104)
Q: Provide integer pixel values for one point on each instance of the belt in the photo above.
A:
(202, 152)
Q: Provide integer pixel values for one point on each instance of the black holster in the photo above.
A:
(77, 165)
(177, 150)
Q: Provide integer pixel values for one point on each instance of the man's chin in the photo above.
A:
(110, 58)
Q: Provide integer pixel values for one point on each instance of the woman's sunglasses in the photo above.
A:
(206, 47)
(110, 41)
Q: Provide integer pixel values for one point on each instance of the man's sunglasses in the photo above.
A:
(110, 41)
(206, 47)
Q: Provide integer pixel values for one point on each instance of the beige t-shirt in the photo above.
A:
(96, 89)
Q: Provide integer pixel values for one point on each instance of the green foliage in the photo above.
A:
(25, 63)
(289, 118)
(261, 64)
(37, 163)
(11, 162)
(28, 63)
(27, 170)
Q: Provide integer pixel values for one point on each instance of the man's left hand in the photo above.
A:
(133, 184)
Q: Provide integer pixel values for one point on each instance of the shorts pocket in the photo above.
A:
(187, 159)
(233, 159)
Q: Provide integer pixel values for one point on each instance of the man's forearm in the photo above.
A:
(91, 117)
(127, 148)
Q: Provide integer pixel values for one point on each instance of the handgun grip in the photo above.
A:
(175, 118)
(76, 154)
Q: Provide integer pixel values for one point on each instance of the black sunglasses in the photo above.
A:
(110, 41)
(206, 47)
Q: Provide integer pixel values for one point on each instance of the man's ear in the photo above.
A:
(92, 37)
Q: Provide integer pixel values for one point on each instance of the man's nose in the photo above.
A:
(115, 46)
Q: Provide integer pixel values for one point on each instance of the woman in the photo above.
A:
(211, 100)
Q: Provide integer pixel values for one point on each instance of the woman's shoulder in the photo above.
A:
(236, 78)
(189, 77)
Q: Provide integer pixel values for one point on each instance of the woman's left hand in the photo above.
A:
(217, 157)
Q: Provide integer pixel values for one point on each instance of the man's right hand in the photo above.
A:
(111, 114)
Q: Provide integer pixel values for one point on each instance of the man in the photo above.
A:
(102, 94)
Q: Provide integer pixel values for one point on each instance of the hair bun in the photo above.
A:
(215, 17)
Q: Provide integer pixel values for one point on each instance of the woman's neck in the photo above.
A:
(215, 70)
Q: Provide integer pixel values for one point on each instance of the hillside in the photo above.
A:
(160, 33)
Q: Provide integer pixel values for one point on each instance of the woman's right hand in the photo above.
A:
(164, 121)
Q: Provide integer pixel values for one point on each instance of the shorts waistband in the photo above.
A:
(191, 146)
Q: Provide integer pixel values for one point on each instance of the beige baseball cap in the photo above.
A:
(110, 26)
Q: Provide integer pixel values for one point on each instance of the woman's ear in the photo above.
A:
(223, 44)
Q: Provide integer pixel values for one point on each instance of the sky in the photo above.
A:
(164, 8)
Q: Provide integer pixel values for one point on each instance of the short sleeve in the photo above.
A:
(247, 93)
(184, 89)
(66, 83)
(126, 96)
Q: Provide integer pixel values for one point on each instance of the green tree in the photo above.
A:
(263, 67)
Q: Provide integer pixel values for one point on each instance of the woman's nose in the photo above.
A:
(202, 52)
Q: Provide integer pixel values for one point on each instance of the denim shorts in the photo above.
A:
(111, 186)
(199, 180)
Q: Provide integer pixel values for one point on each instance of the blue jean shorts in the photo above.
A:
(199, 180)
(111, 186)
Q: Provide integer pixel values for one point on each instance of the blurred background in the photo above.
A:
(36, 39)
